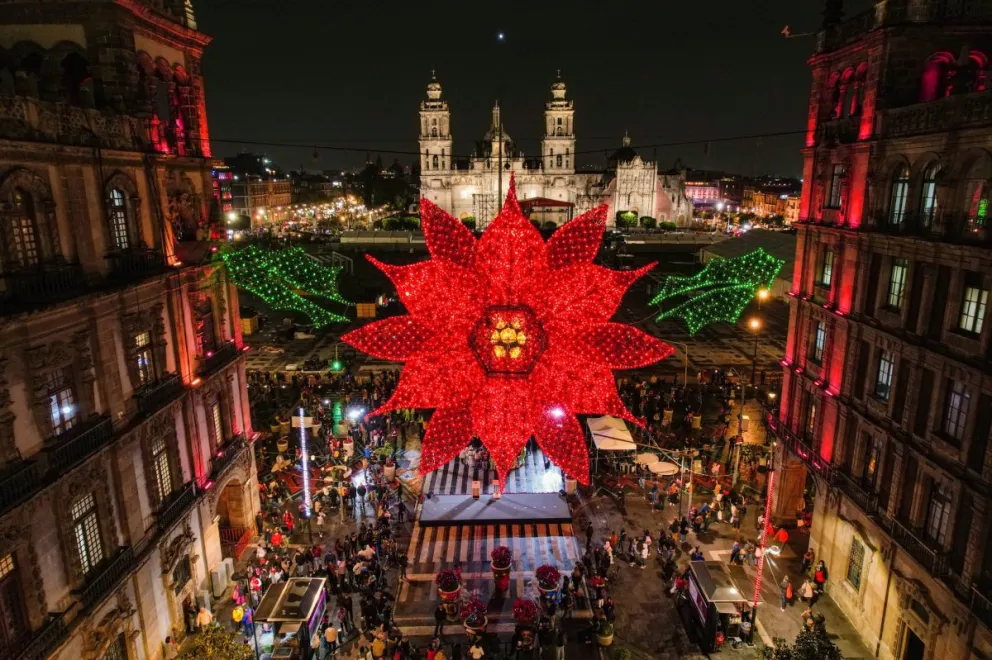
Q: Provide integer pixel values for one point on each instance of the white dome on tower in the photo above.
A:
(558, 88)
(433, 88)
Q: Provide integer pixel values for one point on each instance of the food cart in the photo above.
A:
(718, 607)
(294, 609)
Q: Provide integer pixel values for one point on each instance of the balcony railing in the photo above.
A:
(155, 396)
(867, 500)
(800, 448)
(18, 481)
(135, 264)
(178, 504)
(106, 577)
(939, 116)
(842, 131)
(981, 606)
(40, 286)
(935, 561)
(225, 456)
(70, 448)
(213, 361)
(44, 642)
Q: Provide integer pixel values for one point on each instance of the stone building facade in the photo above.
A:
(887, 392)
(126, 469)
(470, 187)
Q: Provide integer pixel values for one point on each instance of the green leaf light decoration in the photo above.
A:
(720, 291)
(280, 276)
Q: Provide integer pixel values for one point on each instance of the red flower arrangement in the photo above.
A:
(547, 576)
(473, 612)
(524, 611)
(509, 337)
(502, 556)
(447, 580)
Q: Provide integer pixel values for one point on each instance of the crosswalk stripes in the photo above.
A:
(456, 476)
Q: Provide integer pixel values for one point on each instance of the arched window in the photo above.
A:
(442, 159)
(928, 195)
(22, 232)
(117, 212)
(433, 131)
(938, 76)
(558, 160)
(566, 157)
(847, 93)
(897, 196)
(434, 162)
(77, 84)
(976, 193)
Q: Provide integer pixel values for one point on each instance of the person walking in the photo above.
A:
(786, 587)
(439, 616)
(560, 645)
(735, 553)
(589, 534)
(331, 638)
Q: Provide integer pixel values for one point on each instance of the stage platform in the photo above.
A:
(539, 508)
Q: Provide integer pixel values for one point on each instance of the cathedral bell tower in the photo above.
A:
(435, 131)
(558, 144)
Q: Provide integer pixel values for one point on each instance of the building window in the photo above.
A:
(217, 423)
(160, 466)
(181, 574)
(22, 238)
(819, 342)
(836, 182)
(897, 283)
(827, 268)
(143, 356)
(897, 199)
(117, 650)
(883, 379)
(938, 513)
(873, 456)
(928, 196)
(61, 401)
(856, 563)
(12, 625)
(956, 409)
(973, 305)
(810, 418)
(434, 162)
(117, 210)
(86, 530)
(558, 160)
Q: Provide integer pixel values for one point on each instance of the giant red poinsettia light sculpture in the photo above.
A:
(509, 337)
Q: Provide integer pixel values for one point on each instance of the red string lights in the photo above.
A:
(509, 337)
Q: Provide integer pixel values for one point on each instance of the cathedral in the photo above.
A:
(549, 187)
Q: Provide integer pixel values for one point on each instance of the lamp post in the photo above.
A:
(755, 325)
(763, 295)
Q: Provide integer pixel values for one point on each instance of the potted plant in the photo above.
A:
(501, 561)
(389, 469)
(622, 654)
(474, 617)
(604, 635)
(449, 587)
(548, 580)
(282, 444)
(524, 612)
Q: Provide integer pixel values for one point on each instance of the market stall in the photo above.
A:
(610, 434)
(718, 605)
(294, 610)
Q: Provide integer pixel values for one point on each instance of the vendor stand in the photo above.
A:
(610, 434)
(294, 610)
(717, 606)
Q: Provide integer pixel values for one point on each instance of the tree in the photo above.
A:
(648, 222)
(626, 219)
(216, 643)
(469, 222)
(811, 643)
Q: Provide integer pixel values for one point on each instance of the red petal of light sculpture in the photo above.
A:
(509, 337)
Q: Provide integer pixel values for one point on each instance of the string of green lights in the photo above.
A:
(720, 291)
(271, 275)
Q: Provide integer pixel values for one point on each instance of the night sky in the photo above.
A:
(352, 74)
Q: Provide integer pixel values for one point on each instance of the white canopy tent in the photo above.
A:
(610, 434)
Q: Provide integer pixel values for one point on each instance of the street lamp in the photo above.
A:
(755, 325)
(762, 296)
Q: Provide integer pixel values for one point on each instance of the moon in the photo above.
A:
(500, 36)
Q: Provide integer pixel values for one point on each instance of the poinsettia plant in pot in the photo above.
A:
(447, 582)
(501, 560)
(548, 577)
(474, 616)
(524, 611)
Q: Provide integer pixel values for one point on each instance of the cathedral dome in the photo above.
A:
(624, 154)
(558, 88)
(433, 89)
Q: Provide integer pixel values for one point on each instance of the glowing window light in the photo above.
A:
(307, 502)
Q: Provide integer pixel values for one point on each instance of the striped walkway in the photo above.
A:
(455, 478)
